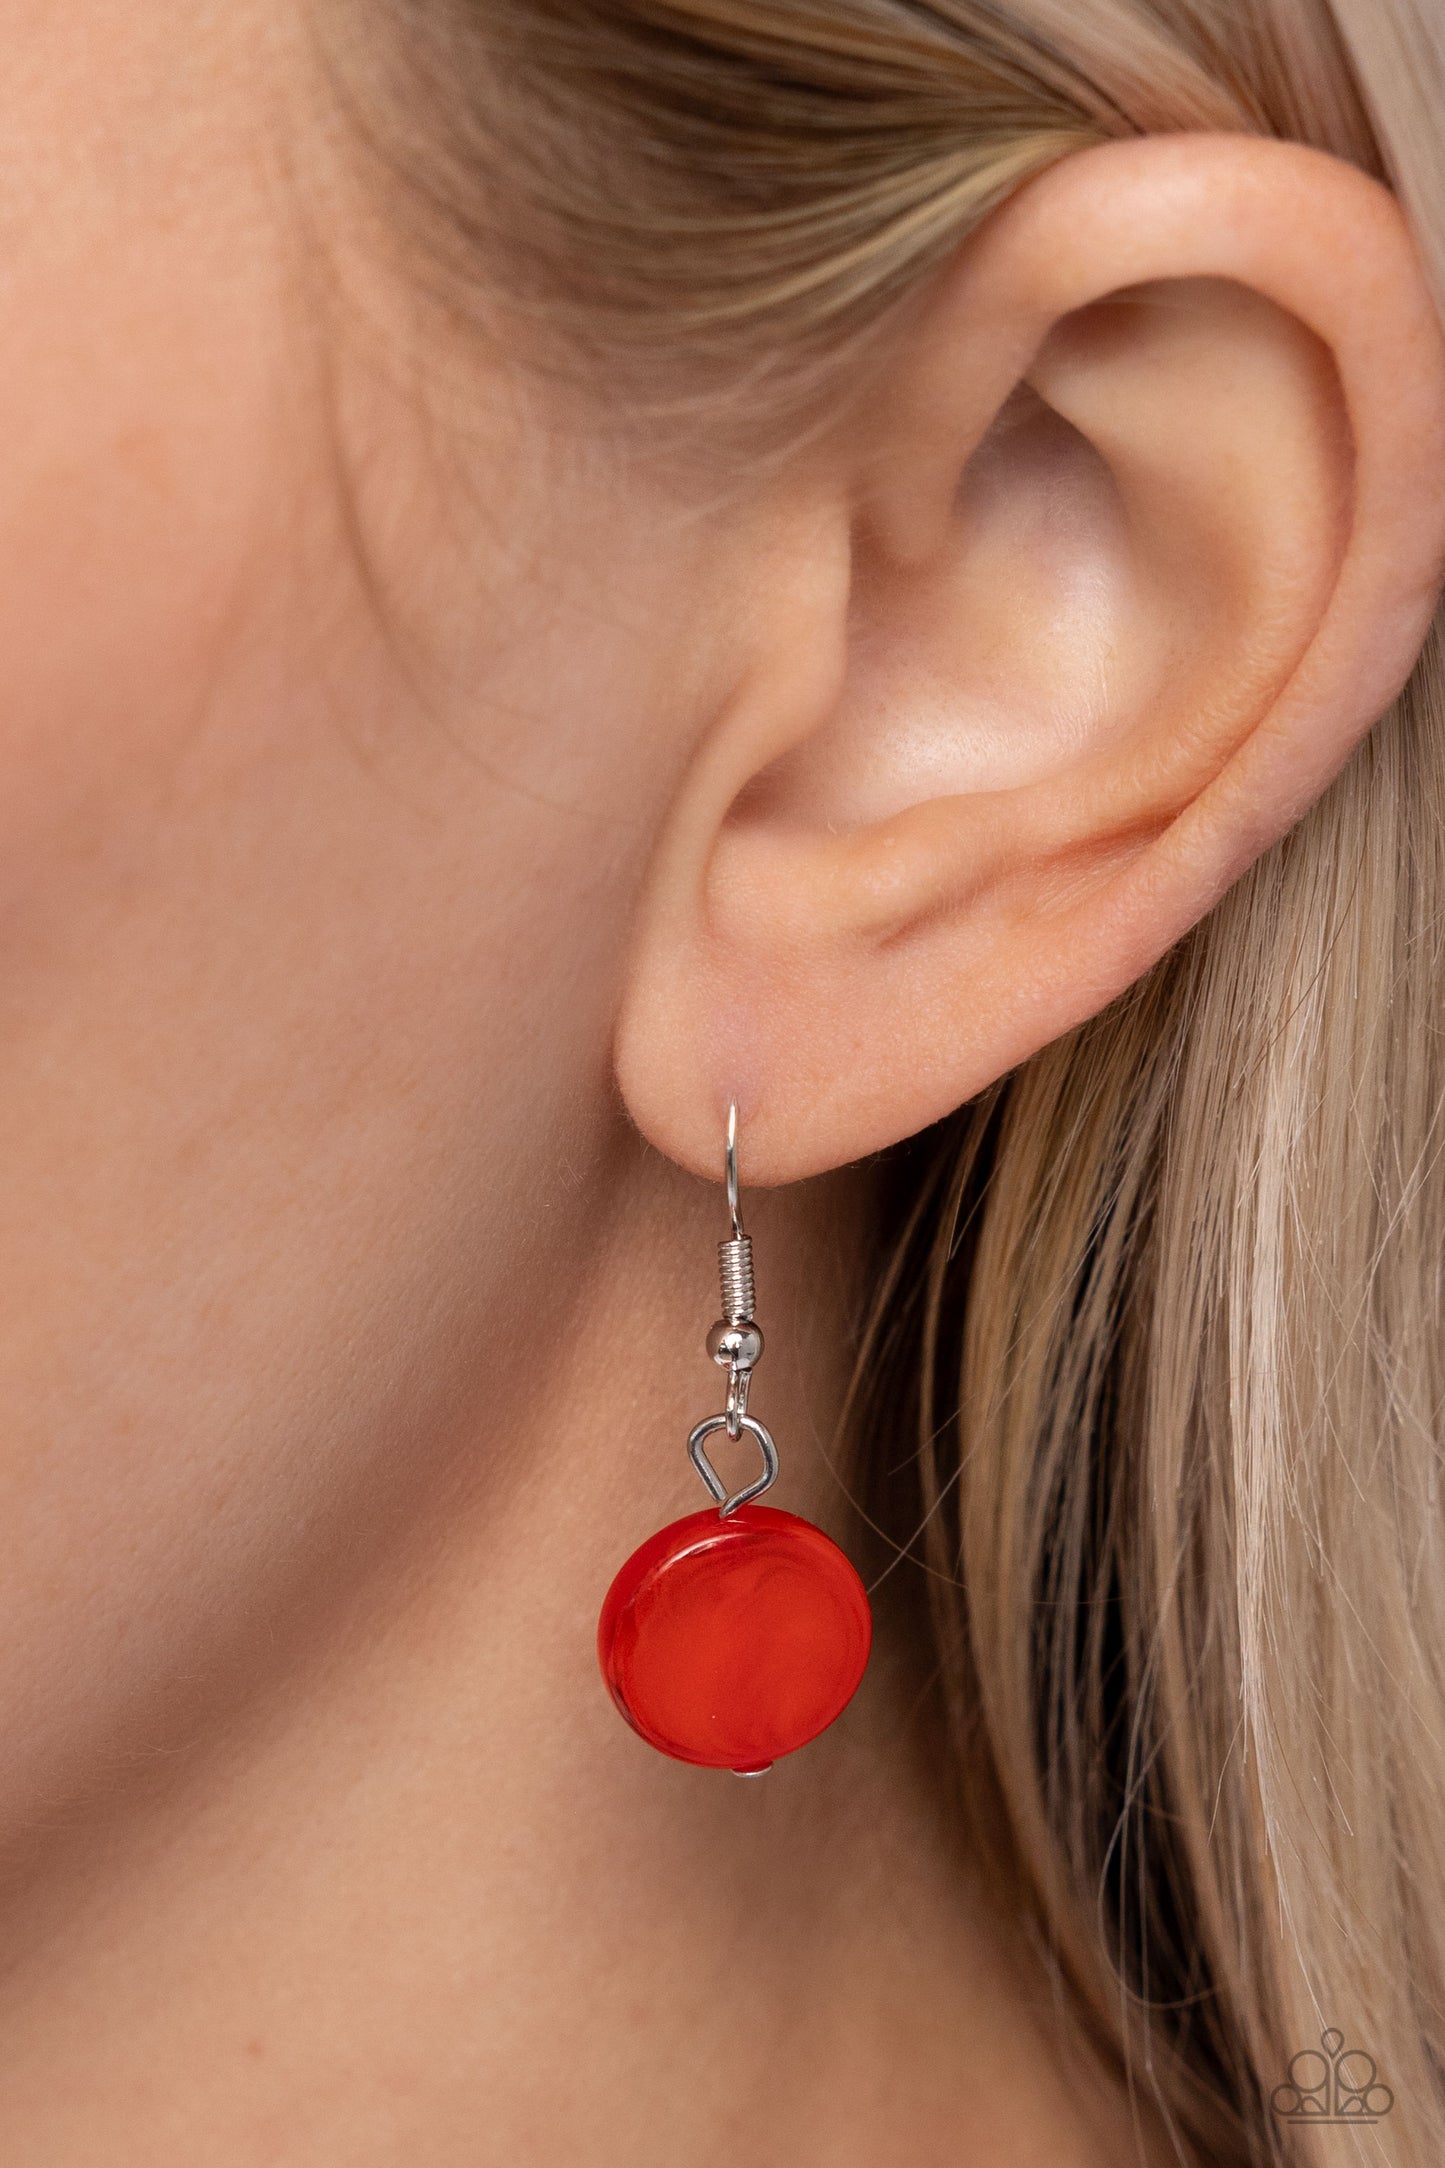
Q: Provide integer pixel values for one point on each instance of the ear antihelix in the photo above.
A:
(737, 1634)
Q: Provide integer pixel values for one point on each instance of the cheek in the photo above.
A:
(305, 1005)
(140, 494)
(240, 1163)
(143, 482)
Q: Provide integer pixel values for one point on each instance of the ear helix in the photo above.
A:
(734, 1636)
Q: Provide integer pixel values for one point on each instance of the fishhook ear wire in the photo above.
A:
(735, 1342)
(735, 1339)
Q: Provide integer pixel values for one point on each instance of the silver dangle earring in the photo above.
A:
(736, 1635)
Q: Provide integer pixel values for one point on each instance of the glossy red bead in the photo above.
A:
(729, 1642)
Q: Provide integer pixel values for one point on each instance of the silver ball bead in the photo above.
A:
(739, 1345)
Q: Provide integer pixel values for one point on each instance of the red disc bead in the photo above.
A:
(729, 1642)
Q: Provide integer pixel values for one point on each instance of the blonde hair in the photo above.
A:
(1166, 1303)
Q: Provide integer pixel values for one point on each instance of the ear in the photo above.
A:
(1136, 534)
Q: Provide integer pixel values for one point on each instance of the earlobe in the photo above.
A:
(1140, 535)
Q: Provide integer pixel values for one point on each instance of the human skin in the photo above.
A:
(322, 1230)
(357, 702)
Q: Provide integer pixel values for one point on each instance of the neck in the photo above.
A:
(411, 1887)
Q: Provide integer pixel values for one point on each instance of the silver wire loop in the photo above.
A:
(729, 1501)
(738, 1382)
